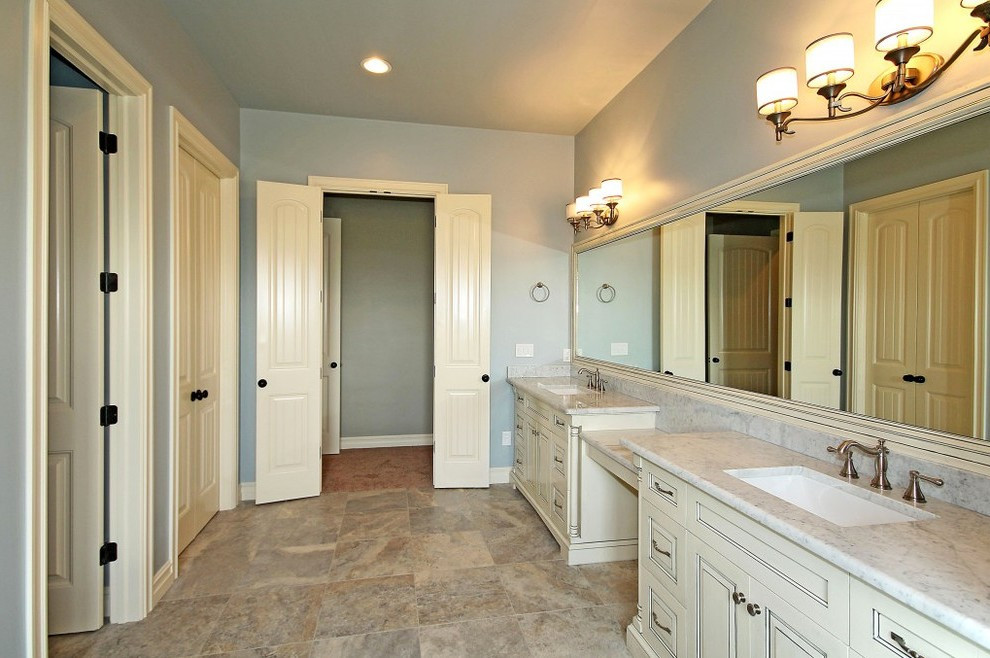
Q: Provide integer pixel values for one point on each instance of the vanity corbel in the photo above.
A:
(590, 512)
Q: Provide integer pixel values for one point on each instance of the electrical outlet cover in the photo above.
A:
(567, 355)
(620, 349)
(524, 350)
(507, 438)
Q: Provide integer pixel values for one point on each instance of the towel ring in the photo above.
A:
(604, 290)
(540, 297)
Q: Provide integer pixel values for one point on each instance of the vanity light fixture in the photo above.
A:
(900, 26)
(597, 209)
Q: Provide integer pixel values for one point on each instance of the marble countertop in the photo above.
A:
(585, 402)
(609, 442)
(940, 567)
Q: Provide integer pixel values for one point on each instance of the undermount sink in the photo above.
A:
(826, 497)
(561, 389)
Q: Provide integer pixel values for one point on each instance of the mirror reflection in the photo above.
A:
(861, 287)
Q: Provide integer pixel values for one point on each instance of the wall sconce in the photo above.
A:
(900, 26)
(598, 208)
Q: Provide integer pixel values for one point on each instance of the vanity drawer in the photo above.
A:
(661, 550)
(814, 587)
(876, 622)
(664, 490)
(558, 505)
(539, 411)
(559, 462)
(664, 618)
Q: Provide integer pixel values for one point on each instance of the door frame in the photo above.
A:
(54, 24)
(976, 182)
(183, 134)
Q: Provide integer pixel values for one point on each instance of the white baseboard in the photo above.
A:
(247, 491)
(389, 441)
(500, 475)
(162, 581)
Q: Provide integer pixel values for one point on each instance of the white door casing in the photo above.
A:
(331, 335)
(462, 337)
(816, 312)
(290, 346)
(75, 362)
(682, 292)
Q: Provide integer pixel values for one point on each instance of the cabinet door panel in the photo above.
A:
(780, 631)
(721, 628)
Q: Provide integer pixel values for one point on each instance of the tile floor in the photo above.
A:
(404, 572)
(408, 467)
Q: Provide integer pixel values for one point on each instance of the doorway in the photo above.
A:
(378, 333)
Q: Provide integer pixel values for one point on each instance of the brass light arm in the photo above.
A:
(782, 120)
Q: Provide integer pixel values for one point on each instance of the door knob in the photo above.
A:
(667, 372)
(194, 396)
(333, 364)
(908, 378)
(715, 359)
(485, 378)
(262, 383)
(919, 379)
(837, 372)
(204, 394)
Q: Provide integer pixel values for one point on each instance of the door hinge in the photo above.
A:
(108, 143)
(787, 366)
(108, 282)
(108, 553)
(788, 302)
(790, 236)
(108, 415)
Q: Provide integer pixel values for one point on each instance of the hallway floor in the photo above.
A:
(379, 468)
(402, 572)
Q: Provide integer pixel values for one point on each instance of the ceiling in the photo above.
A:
(530, 65)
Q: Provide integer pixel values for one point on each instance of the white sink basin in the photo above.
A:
(833, 500)
(561, 389)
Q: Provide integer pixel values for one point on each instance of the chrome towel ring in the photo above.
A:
(540, 292)
(606, 293)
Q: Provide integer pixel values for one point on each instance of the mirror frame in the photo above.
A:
(951, 449)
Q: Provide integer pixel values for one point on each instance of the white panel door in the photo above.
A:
(816, 312)
(743, 290)
(682, 292)
(462, 337)
(290, 344)
(75, 363)
(185, 263)
(331, 336)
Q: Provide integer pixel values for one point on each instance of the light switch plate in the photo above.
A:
(524, 350)
(620, 349)
(507, 438)
(567, 355)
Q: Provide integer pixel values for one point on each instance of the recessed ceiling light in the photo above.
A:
(376, 65)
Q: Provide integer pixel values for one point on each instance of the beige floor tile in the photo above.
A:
(156, 634)
(453, 550)
(486, 638)
(613, 582)
(391, 644)
(530, 543)
(362, 502)
(358, 607)
(460, 594)
(315, 530)
(372, 558)
(295, 565)
(296, 650)
(374, 525)
(541, 586)
(432, 520)
(594, 631)
(267, 617)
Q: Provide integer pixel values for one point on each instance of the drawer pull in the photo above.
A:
(519, 427)
(559, 506)
(519, 461)
(904, 647)
(656, 622)
(558, 422)
(519, 397)
(753, 609)
(656, 485)
(557, 460)
(738, 598)
(656, 547)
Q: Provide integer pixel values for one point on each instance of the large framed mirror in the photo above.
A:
(860, 288)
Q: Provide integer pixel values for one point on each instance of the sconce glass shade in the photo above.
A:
(829, 60)
(583, 205)
(612, 189)
(777, 90)
(597, 200)
(902, 23)
(570, 211)
(969, 4)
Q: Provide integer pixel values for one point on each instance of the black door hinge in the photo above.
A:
(108, 143)
(787, 366)
(108, 553)
(108, 282)
(788, 302)
(108, 415)
(790, 236)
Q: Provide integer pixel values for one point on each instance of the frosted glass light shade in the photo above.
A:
(901, 23)
(831, 56)
(570, 210)
(777, 90)
(597, 200)
(583, 204)
(612, 189)
(969, 4)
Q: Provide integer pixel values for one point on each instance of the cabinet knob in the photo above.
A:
(738, 598)
(753, 609)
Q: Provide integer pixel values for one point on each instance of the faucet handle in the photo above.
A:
(848, 467)
(913, 491)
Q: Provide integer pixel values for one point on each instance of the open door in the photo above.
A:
(816, 284)
(290, 346)
(331, 336)
(75, 363)
(462, 337)
(682, 294)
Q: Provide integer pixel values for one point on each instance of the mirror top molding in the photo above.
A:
(954, 450)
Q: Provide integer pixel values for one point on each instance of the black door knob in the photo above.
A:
(262, 383)
(837, 372)
(194, 396)
(204, 394)
(667, 372)
(919, 379)
(715, 359)
(485, 378)
(908, 378)
(333, 364)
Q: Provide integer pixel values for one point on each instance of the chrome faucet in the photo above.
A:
(879, 453)
(595, 381)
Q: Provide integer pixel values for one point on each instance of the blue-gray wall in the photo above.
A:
(528, 175)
